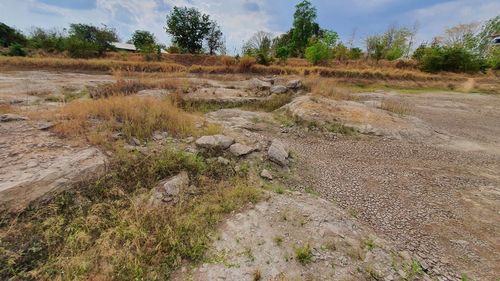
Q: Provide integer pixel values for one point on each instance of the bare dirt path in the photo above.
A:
(441, 201)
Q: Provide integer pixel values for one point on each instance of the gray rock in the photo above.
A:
(294, 84)
(45, 126)
(223, 161)
(239, 149)
(279, 89)
(278, 153)
(135, 142)
(259, 84)
(12, 117)
(170, 189)
(217, 142)
(159, 136)
(266, 174)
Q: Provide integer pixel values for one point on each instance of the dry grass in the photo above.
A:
(132, 116)
(104, 230)
(396, 106)
(6, 108)
(329, 88)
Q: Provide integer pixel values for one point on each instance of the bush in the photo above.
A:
(16, 50)
(494, 59)
(246, 63)
(282, 53)
(453, 59)
(80, 49)
(318, 53)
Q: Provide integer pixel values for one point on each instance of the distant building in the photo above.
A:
(496, 38)
(124, 47)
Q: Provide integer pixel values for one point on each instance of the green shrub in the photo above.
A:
(282, 53)
(80, 49)
(16, 50)
(453, 59)
(318, 53)
(494, 59)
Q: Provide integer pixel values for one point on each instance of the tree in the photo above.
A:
(485, 47)
(462, 35)
(259, 46)
(318, 53)
(390, 45)
(304, 27)
(143, 39)
(188, 27)
(9, 35)
(215, 41)
(329, 37)
(97, 38)
(50, 40)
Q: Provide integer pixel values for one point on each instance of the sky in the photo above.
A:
(239, 19)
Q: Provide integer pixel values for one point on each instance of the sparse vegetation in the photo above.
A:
(303, 254)
(396, 106)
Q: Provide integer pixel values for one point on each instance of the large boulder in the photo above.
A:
(259, 84)
(278, 153)
(216, 142)
(279, 89)
(168, 191)
(239, 149)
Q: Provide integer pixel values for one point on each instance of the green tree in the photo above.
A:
(391, 45)
(188, 27)
(9, 35)
(48, 40)
(259, 46)
(16, 50)
(215, 41)
(318, 53)
(304, 27)
(143, 39)
(99, 39)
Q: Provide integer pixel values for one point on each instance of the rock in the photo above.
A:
(159, 136)
(279, 89)
(116, 136)
(278, 153)
(266, 175)
(170, 189)
(259, 84)
(12, 117)
(239, 149)
(294, 84)
(135, 142)
(189, 139)
(217, 142)
(223, 161)
(45, 126)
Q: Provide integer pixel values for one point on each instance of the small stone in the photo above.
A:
(239, 149)
(159, 136)
(43, 126)
(223, 161)
(170, 189)
(135, 142)
(266, 175)
(279, 89)
(294, 84)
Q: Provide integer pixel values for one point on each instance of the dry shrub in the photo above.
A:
(228, 61)
(132, 116)
(396, 106)
(246, 63)
(6, 108)
(129, 87)
(329, 88)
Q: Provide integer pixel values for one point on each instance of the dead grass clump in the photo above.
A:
(396, 106)
(272, 103)
(228, 61)
(39, 93)
(132, 116)
(329, 88)
(6, 108)
(129, 87)
(246, 63)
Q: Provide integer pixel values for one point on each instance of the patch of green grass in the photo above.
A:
(413, 270)
(249, 254)
(303, 254)
(339, 128)
(369, 244)
(310, 190)
(465, 278)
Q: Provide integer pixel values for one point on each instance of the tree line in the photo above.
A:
(463, 48)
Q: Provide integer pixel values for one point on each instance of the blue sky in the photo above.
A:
(352, 19)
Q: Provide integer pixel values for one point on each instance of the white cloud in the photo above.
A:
(436, 18)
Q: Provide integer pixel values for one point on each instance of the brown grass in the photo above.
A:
(329, 88)
(6, 108)
(396, 106)
(132, 116)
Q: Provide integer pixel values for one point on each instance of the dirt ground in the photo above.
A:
(436, 197)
